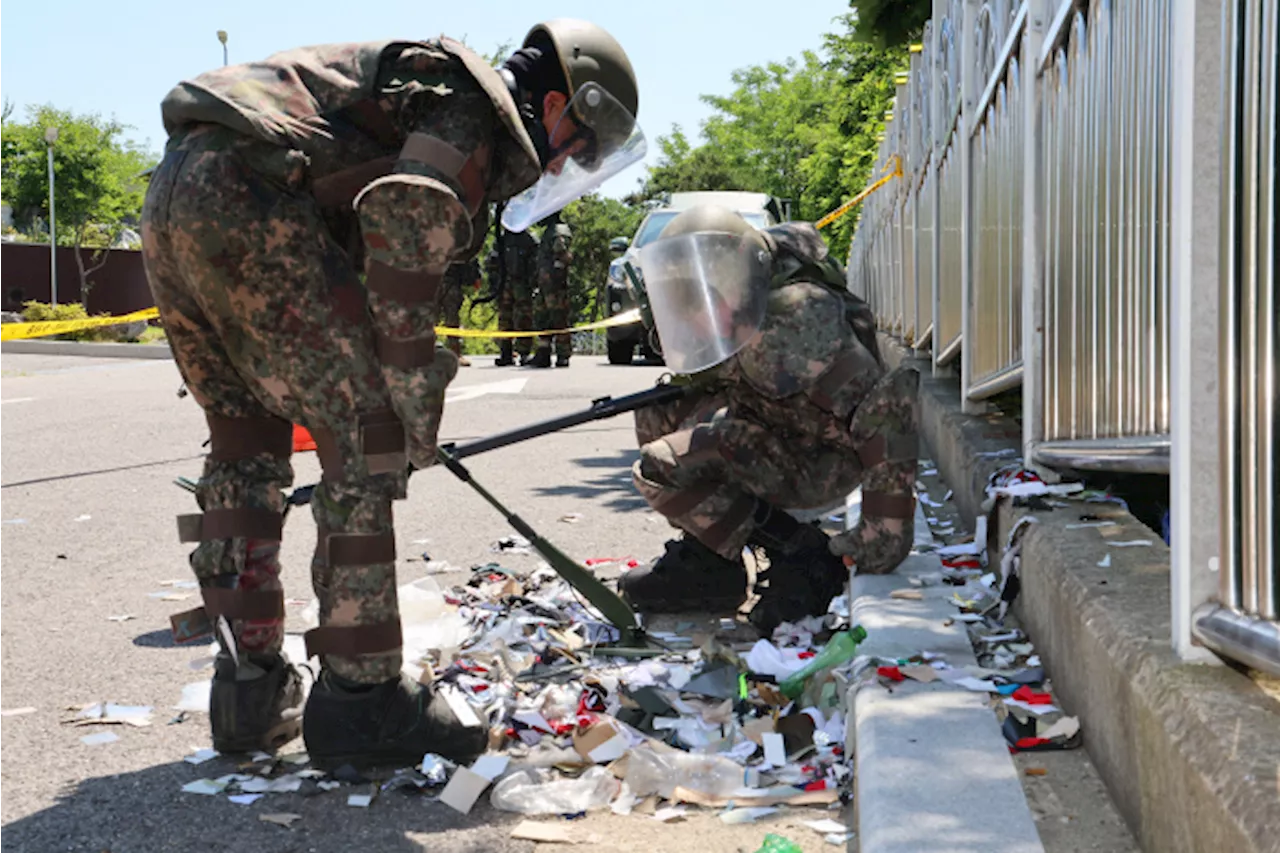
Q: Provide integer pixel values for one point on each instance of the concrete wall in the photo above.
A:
(118, 288)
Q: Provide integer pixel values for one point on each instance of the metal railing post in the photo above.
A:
(968, 94)
(1195, 179)
(1038, 12)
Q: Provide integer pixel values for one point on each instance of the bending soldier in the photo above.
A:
(793, 410)
(457, 279)
(553, 293)
(284, 180)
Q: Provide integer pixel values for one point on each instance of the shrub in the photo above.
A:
(43, 312)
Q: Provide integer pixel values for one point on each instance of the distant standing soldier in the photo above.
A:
(517, 267)
(457, 279)
(553, 293)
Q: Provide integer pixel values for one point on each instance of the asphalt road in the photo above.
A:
(90, 450)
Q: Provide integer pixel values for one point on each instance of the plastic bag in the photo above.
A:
(537, 791)
(652, 772)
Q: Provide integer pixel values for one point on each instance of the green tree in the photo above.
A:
(803, 130)
(595, 220)
(98, 190)
(889, 23)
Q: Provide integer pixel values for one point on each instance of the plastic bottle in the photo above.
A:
(652, 772)
(842, 647)
(538, 791)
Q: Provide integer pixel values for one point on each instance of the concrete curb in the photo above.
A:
(933, 769)
(1189, 753)
(88, 349)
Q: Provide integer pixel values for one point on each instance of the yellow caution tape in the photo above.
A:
(895, 165)
(626, 318)
(23, 331)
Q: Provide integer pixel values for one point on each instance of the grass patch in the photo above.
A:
(153, 335)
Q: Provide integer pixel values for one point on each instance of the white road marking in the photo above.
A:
(471, 392)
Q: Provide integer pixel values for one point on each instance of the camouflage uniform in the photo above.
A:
(282, 182)
(554, 258)
(515, 305)
(457, 280)
(798, 418)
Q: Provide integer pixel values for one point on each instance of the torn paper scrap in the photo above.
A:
(670, 813)
(748, 815)
(1105, 562)
(244, 799)
(825, 826)
(1066, 728)
(775, 751)
(360, 801)
(99, 738)
(1132, 543)
(195, 697)
(464, 788)
(284, 819)
(207, 787)
(490, 766)
(547, 833)
(200, 756)
(17, 712)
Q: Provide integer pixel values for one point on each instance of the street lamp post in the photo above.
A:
(222, 37)
(51, 136)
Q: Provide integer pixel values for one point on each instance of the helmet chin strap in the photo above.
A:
(531, 117)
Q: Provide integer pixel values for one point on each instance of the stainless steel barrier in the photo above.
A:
(1104, 161)
(1243, 625)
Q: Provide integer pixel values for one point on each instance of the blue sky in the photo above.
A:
(121, 59)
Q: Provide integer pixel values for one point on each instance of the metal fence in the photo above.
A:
(951, 237)
(1249, 590)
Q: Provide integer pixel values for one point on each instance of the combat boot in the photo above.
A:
(803, 574)
(562, 361)
(256, 705)
(506, 357)
(688, 576)
(541, 358)
(393, 723)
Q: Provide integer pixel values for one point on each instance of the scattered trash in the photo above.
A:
(17, 712)
(123, 617)
(284, 819)
(1134, 543)
(207, 787)
(360, 801)
(200, 756)
(244, 799)
(1105, 562)
(826, 826)
(110, 713)
(83, 517)
(539, 791)
(99, 738)
(571, 517)
(779, 844)
(907, 594)
(195, 697)
(1036, 771)
(670, 813)
(546, 833)
(747, 815)
(513, 544)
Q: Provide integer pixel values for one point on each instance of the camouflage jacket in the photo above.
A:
(815, 357)
(429, 124)
(554, 256)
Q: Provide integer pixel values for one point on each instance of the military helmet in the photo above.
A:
(712, 218)
(588, 54)
(592, 61)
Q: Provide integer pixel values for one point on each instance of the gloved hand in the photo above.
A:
(875, 545)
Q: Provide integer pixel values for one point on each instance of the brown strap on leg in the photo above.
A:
(843, 371)
(360, 549)
(231, 439)
(409, 354)
(353, 640)
(887, 505)
(409, 287)
(382, 442)
(236, 523)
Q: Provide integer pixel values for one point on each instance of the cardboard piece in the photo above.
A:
(601, 742)
(284, 819)
(546, 833)
(464, 788)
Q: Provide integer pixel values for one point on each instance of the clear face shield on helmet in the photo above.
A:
(601, 137)
(708, 292)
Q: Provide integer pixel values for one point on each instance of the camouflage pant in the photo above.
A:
(451, 314)
(267, 320)
(553, 313)
(515, 313)
(703, 467)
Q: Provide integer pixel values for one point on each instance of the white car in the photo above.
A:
(760, 209)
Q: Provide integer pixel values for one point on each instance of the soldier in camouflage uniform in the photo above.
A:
(457, 280)
(518, 274)
(553, 293)
(795, 419)
(295, 237)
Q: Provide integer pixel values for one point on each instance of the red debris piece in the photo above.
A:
(1031, 697)
(890, 672)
